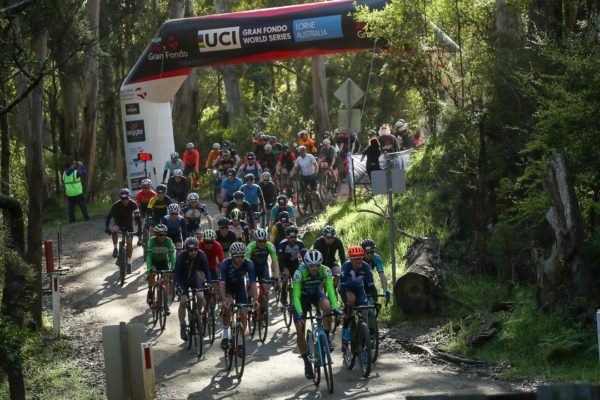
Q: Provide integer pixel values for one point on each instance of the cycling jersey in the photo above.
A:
(227, 239)
(388, 143)
(231, 275)
(175, 227)
(212, 156)
(178, 191)
(287, 160)
(254, 169)
(252, 194)
(159, 252)
(260, 255)
(241, 231)
(328, 154)
(278, 233)
(193, 216)
(276, 210)
(328, 250)
(289, 254)
(171, 166)
(268, 161)
(360, 280)
(230, 186)
(306, 165)
(375, 263)
(144, 196)
(159, 207)
(215, 255)
(191, 159)
(224, 164)
(245, 208)
(308, 143)
(187, 268)
(269, 191)
(307, 284)
(122, 214)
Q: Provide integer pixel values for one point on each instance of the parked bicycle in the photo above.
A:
(236, 347)
(261, 320)
(159, 298)
(318, 349)
(360, 341)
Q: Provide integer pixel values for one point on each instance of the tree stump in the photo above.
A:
(418, 289)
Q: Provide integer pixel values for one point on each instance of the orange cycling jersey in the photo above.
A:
(191, 158)
(212, 156)
(309, 144)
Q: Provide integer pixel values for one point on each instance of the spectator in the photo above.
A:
(372, 152)
(74, 189)
(417, 139)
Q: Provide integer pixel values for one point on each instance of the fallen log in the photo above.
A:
(419, 289)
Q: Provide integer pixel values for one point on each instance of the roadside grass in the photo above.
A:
(56, 211)
(51, 373)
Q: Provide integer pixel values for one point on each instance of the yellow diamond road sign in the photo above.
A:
(349, 93)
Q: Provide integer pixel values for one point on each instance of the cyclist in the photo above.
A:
(279, 229)
(190, 265)
(242, 205)
(226, 145)
(268, 160)
(225, 161)
(175, 226)
(192, 213)
(356, 277)
(289, 254)
(171, 165)
(387, 141)
(374, 261)
(229, 186)
(327, 157)
(276, 148)
(285, 163)
(232, 286)
(239, 227)
(250, 166)
(258, 252)
(191, 162)
(142, 198)
(269, 191)
(159, 256)
(307, 165)
(307, 292)
(214, 253)
(306, 142)
(121, 215)
(328, 244)
(158, 204)
(259, 145)
(253, 194)
(213, 156)
(282, 205)
(178, 187)
(224, 235)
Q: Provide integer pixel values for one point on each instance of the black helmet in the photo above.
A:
(291, 231)
(285, 147)
(282, 199)
(329, 231)
(191, 243)
(250, 155)
(238, 195)
(368, 244)
(250, 176)
(284, 216)
(124, 193)
(160, 188)
(223, 222)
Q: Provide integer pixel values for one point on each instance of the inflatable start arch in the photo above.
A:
(243, 37)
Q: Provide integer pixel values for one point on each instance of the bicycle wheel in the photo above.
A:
(324, 186)
(326, 362)
(211, 326)
(229, 351)
(252, 323)
(239, 350)
(162, 300)
(191, 328)
(287, 309)
(122, 262)
(313, 358)
(364, 350)
(374, 333)
(198, 333)
(263, 326)
(348, 349)
(154, 307)
(301, 206)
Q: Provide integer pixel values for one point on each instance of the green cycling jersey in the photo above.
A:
(158, 252)
(306, 283)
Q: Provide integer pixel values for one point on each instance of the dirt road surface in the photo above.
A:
(92, 299)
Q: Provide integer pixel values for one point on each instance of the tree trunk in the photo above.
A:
(563, 275)
(110, 126)
(319, 83)
(35, 177)
(70, 105)
(4, 138)
(418, 289)
(90, 100)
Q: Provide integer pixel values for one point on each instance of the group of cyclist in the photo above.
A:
(255, 253)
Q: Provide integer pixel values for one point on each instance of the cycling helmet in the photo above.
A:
(292, 231)
(261, 135)
(146, 182)
(174, 154)
(225, 153)
(173, 208)
(301, 148)
(336, 131)
(191, 243)
(124, 193)
(302, 132)
(223, 222)
(216, 146)
(329, 231)
(400, 123)
(261, 234)
(266, 176)
(313, 257)
(282, 199)
(237, 249)
(192, 197)
(178, 172)
(284, 216)
(273, 138)
(326, 134)
(160, 228)
(368, 244)
(249, 176)
(268, 147)
(326, 141)
(189, 146)
(160, 188)
(250, 155)
(236, 214)
(285, 147)
(231, 172)
(226, 143)
(209, 234)
(238, 195)
(356, 251)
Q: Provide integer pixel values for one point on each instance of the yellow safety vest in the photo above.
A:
(73, 185)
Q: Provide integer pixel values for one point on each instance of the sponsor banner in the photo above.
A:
(132, 109)
(136, 183)
(313, 29)
(219, 39)
(134, 131)
(266, 34)
(167, 49)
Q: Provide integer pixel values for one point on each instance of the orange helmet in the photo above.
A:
(356, 251)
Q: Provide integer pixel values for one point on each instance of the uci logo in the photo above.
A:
(219, 39)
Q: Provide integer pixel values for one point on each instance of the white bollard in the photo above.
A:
(55, 304)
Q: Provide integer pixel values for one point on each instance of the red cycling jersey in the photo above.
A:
(215, 255)
(191, 158)
(144, 196)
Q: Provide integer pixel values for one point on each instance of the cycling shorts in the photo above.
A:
(185, 284)
(116, 228)
(361, 296)
(160, 265)
(176, 238)
(188, 169)
(307, 301)
(237, 291)
(262, 271)
(310, 181)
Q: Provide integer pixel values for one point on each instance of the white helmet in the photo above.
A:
(268, 147)
(261, 234)
(216, 146)
(313, 257)
(326, 141)
(177, 172)
(400, 123)
(174, 154)
(189, 146)
(146, 182)
(192, 197)
(237, 249)
(266, 176)
(173, 208)
(302, 132)
(301, 148)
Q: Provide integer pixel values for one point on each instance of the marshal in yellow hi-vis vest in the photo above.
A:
(73, 185)
(74, 188)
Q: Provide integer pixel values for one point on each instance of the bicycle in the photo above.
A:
(287, 299)
(327, 187)
(360, 342)
(145, 236)
(236, 348)
(261, 319)
(308, 200)
(195, 327)
(158, 295)
(373, 324)
(318, 349)
(209, 320)
(122, 255)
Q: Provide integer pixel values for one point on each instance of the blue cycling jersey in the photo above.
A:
(351, 278)
(252, 194)
(174, 227)
(231, 187)
(187, 267)
(235, 276)
(375, 263)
